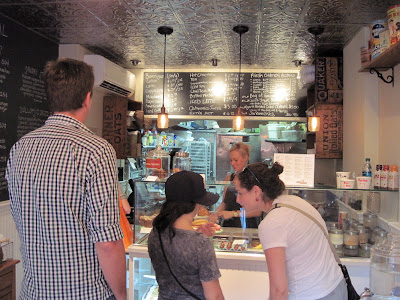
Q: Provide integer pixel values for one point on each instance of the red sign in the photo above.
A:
(153, 163)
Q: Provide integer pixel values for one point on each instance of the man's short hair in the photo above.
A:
(67, 81)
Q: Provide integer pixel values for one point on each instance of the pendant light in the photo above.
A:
(162, 119)
(238, 118)
(314, 121)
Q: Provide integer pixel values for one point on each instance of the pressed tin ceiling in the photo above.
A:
(123, 30)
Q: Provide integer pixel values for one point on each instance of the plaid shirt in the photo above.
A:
(62, 181)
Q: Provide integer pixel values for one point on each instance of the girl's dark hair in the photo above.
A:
(266, 178)
(169, 213)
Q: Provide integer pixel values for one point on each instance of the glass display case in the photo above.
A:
(239, 249)
(334, 205)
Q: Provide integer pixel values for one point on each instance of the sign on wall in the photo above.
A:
(114, 123)
(23, 106)
(217, 94)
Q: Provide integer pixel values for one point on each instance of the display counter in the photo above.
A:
(243, 268)
(244, 275)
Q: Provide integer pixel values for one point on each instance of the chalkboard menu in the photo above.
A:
(23, 108)
(216, 94)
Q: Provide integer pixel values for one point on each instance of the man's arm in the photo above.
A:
(113, 264)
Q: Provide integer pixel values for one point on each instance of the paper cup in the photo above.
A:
(363, 182)
(340, 175)
(347, 183)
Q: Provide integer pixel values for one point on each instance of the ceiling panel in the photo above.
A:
(122, 30)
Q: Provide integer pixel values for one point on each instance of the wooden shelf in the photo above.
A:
(385, 61)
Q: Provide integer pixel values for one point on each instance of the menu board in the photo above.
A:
(217, 94)
(23, 107)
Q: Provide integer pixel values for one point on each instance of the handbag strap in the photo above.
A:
(316, 222)
(173, 275)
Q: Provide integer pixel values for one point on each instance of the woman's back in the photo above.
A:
(192, 259)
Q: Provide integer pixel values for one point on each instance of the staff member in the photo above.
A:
(300, 262)
(229, 210)
(62, 181)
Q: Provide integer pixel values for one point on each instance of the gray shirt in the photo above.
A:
(192, 259)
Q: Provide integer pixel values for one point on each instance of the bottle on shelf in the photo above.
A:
(367, 168)
(384, 177)
(377, 177)
(393, 179)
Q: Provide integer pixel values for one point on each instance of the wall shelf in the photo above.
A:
(387, 60)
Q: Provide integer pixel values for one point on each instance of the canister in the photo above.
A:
(365, 250)
(393, 16)
(373, 202)
(351, 250)
(363, 234)
(375, 29)
(370, 219)
(339, 250)
(181, 161)
(351, 237)
(380, 236)
(336, 236)
(157, 163)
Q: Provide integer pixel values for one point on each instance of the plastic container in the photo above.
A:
(384, 177)
(377, 177)
(157, 163)
(181, 161)
(385, 268)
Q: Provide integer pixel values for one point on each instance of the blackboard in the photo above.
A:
(191, 93)
(23, 107)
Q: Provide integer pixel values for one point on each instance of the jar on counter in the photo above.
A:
(181, 161)
(339, 250)
(336, 236)
(351, 250)
(351, 238)
(370, 219)
(157, 163)
(373, 202)
(363, 234)
(365, 250)
(373, 234)
(380, 235)
(356, 200)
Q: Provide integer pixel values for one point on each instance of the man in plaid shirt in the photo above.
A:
(62, 181)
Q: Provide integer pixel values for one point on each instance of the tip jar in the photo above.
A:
(385, 268)
(157, 163)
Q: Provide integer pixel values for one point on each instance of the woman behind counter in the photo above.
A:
(184, 260)
(300, 261)
(229, 210)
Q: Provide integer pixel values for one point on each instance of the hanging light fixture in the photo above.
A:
(313, 121)
(162, 119)
(238, 118)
